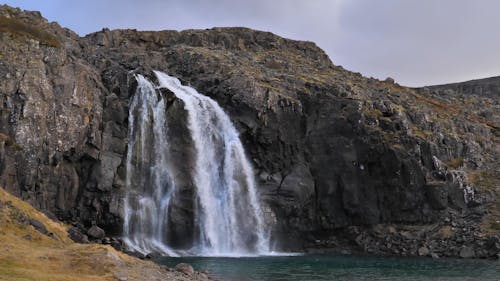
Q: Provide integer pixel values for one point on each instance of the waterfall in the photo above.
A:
(148, 182)
(228, 219)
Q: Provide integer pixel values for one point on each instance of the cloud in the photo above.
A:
(421, 42)
(416, 42)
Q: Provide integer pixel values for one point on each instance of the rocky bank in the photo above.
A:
(344, 163)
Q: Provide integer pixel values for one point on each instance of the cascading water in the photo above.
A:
(228, 219)
(149, 185)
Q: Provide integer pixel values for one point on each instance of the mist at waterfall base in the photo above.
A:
(227, 218)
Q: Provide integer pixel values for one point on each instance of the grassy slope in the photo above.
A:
(19, 28)
(27, 254)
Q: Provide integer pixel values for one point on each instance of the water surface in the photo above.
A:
(328, 267)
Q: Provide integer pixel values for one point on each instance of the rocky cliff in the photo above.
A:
(343, 162)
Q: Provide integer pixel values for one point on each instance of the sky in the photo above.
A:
(416, 42)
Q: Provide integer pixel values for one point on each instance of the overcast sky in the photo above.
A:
(417, 42)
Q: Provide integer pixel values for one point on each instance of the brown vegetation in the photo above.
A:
(19, 28)
(28, 254)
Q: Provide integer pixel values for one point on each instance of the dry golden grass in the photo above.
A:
(19, 28)
(26, 254)
(445, 232)
(455, 163)
(448, 110)
(488, 181)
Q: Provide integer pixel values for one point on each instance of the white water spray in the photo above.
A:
(228, 217)
(149, 185)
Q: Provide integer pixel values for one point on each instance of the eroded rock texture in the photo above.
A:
(342, 161)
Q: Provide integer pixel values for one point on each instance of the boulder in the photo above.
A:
(423, 251)
(38, 225)
(185, 268)
(77, 235)
(467, 252)
(96, 232)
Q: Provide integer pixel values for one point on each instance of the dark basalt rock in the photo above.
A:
(467, 252)
(96, 232)
(335, 154)
(437, 194)
(39, 226)
(76, 235)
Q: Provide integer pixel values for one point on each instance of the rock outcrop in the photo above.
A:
(342, 161)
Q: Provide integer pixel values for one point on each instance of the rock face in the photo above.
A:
(342, 161)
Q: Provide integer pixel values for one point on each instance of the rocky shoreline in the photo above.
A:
(426, 241)
(343, 162)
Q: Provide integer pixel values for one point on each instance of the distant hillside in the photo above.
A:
(485, 87)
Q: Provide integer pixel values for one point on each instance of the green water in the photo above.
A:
(328, 267)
